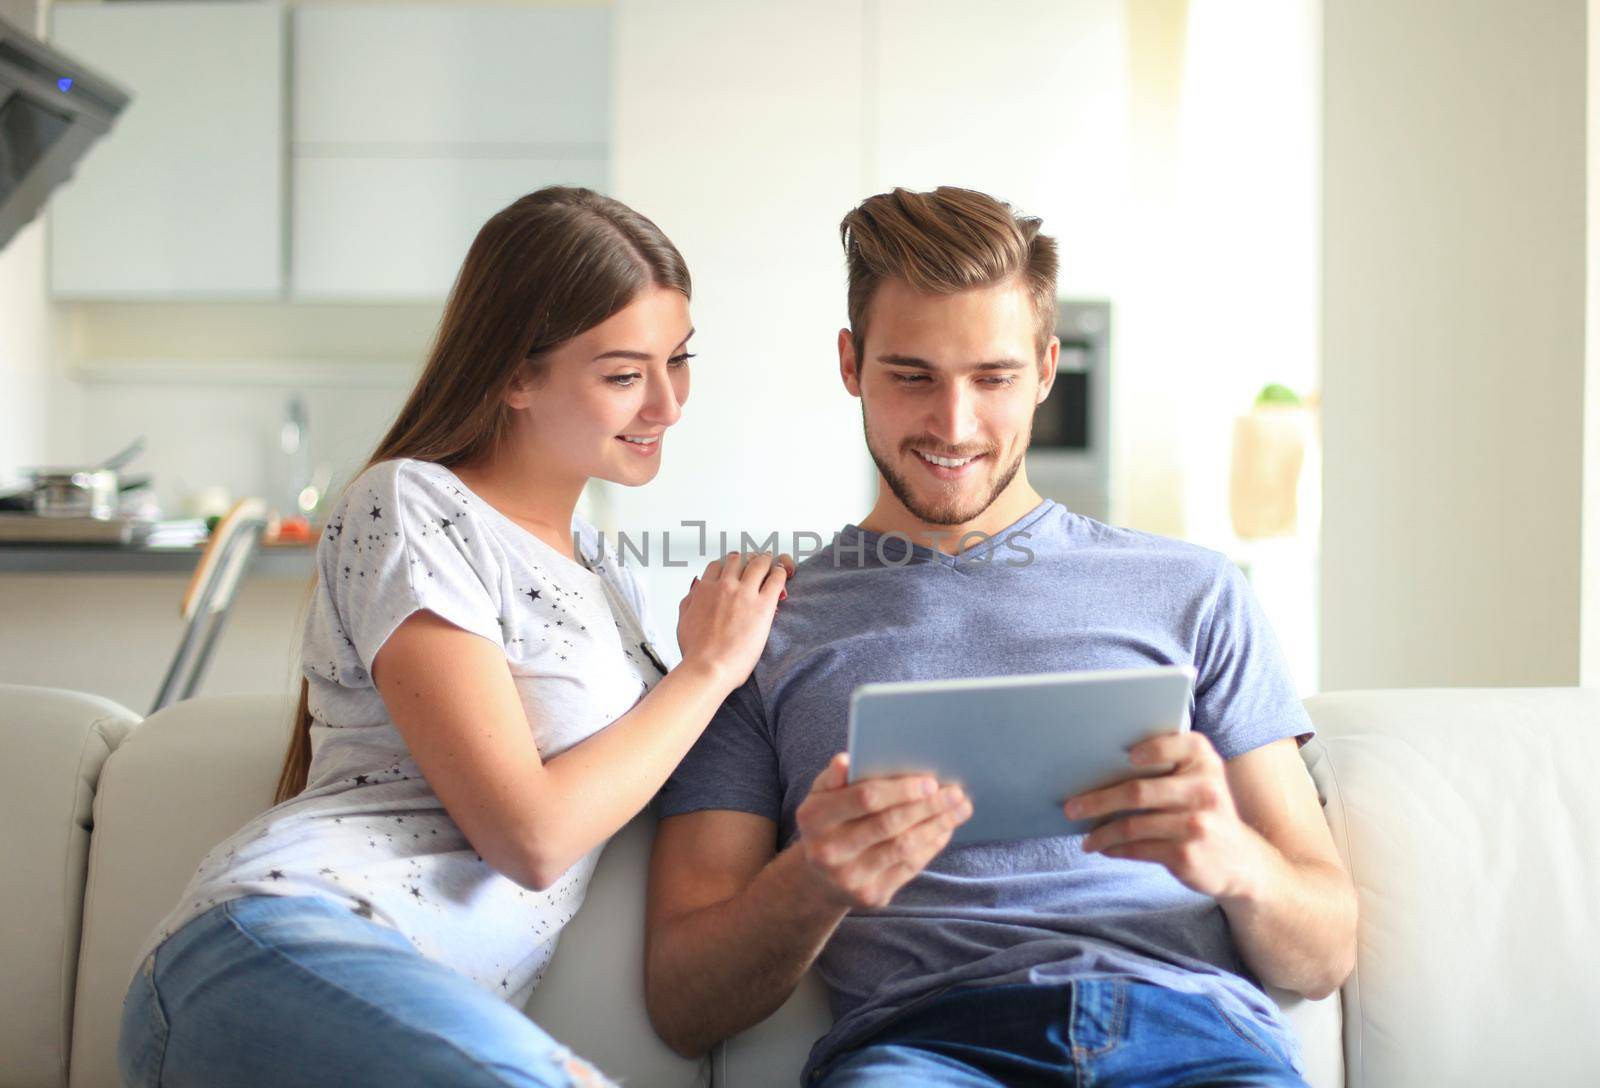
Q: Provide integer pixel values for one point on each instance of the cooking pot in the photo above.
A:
(69, 493)
(82, 492)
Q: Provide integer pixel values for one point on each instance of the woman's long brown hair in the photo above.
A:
(555, 263)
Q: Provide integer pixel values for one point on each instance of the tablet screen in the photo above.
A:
(1019, 745)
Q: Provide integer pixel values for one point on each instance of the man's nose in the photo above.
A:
(952, 418)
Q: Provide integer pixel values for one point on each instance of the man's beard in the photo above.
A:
(941, 511)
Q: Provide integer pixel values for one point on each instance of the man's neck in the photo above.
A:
(889, 515)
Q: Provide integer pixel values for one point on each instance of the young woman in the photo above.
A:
(482, 707)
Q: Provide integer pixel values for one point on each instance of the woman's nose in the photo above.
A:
(661, 405)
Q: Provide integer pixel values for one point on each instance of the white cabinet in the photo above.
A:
(413, 125)
(184, 198)
(388, 227)
(451, 75)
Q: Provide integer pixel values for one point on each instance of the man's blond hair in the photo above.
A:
(942, 242)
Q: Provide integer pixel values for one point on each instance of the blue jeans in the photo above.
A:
(298, 990)
(1108, 1033)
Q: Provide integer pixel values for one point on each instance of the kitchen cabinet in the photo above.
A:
(393, 228)
(413, 125)
(450, 75)
(184, 199)
(341, 153)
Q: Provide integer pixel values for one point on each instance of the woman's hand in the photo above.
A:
(724, 619)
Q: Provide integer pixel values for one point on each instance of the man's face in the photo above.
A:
(948, 385)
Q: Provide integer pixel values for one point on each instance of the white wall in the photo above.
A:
(738, 129)
(747, 131)
(1453, 341)
(1025, 100)
(26, 346)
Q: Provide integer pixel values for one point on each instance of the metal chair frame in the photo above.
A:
(210, 596)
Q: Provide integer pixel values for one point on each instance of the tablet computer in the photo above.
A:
(1019, 745)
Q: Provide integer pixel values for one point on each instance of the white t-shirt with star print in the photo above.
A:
(368, 832)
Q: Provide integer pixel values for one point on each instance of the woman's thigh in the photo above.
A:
(270, 991)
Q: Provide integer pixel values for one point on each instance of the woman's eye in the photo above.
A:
(622, 380)
(680, 360)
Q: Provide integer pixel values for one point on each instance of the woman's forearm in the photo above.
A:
(589, 792)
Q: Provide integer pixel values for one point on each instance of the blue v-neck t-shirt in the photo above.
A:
(1055, 591)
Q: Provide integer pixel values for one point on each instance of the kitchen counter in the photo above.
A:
(275, 561)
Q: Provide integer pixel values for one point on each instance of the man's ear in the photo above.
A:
(1047, 368)
(849, 371)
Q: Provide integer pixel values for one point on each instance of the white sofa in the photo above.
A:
(1470, 820)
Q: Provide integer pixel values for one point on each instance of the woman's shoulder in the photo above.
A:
(403, 505)
(405, 483)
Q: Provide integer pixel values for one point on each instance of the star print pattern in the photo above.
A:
(370, 834)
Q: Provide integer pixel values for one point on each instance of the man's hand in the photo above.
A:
(862, 843)
(1187, 821)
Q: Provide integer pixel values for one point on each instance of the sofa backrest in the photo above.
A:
(1470, 821)
(55, 745)
(190, 775)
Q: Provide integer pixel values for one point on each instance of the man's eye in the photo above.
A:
(998, 381)
(622, 380)
(910, 379)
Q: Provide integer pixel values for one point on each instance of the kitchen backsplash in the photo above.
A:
(220, 424)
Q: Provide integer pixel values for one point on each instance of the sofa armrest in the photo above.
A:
(1468, 823)
(55, 743)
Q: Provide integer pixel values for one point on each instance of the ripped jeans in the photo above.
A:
(271, 990)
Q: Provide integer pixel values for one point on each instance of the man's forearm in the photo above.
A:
(1297, 928)
(715, 971)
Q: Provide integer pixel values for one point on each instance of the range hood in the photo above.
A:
(51, 109)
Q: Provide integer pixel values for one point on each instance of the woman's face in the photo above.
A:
(604, 400)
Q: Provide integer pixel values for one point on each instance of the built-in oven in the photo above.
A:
(1069, 459)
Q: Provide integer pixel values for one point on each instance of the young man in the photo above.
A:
(1133, 955)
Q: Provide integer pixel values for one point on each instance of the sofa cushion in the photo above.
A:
(1469, 823)
(198, 770)
(187, 778)
(55, 744)
(592, 997)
